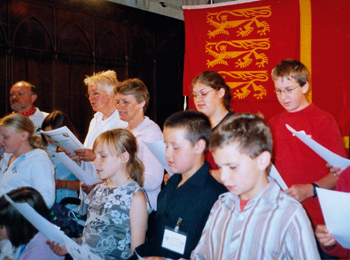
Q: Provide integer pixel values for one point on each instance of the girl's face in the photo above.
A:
(3, 232)
(207, 99)
(10, 140)
(48, 139)
(107, 165)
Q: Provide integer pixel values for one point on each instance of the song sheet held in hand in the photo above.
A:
(82, 175)
(158, 150)
(330, 157)
(64, 138)
(52, 233)
(335, 207)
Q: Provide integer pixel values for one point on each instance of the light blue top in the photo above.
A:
(62, 173)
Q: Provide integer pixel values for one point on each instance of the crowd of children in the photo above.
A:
(243, 216)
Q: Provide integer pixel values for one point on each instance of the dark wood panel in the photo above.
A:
(54, 44)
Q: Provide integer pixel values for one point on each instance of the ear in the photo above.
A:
(221, 92)
(142, 104)
(200, 146)
(111, 95)
(305, 88)
(264, 160)
(24, 135)
(33, 98)
(125, 157)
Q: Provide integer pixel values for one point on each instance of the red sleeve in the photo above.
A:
(337, 251)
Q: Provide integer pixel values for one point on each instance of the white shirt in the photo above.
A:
(33, 169)
(38, 118)
(98, 126)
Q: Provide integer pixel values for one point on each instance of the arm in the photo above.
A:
(67, 184)
(299, 242)
(85, 155)
(138, 220)
(301, 192)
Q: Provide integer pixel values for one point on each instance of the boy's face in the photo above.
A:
(179, 152)
(294, 101)
(242, 176)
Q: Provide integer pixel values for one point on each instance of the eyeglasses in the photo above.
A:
(92, 93)
(200, 95)
(287, 91)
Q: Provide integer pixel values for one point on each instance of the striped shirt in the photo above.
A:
(272, 226)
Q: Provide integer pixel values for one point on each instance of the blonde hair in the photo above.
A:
(119, 141)
(20, 123)
(105, 79)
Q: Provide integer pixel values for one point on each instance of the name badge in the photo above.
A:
(174, 241)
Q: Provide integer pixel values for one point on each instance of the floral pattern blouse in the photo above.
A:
(107, 229)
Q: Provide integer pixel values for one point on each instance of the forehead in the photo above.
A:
(126, 97)
(285, 82)
(198, 87)
(96, 87)
(20, 88)
(6, 130)
(177, 134)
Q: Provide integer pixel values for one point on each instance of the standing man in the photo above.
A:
(300, 167)
(22, 98)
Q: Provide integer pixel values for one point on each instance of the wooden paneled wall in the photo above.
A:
(54, 44)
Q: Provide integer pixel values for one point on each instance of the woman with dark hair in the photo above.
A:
(20, 238)
(67, 184)
(212, 96)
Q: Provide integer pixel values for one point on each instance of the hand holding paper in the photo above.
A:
(64, 138)
(330, 157)
(51, 232)
(335, 207)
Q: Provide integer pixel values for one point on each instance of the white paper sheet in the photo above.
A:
(158, 150)
(52, 233)
(82, 175)
(275, 174)
(138, 256)
(330, 157)
(64, 138)
(335, 207)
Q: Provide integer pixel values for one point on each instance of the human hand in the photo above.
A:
(85, 155)
(166, 178)
(323, 236)
(61, 150)
(57, 249)
(334, 170)
(300, 192)
(88, 188)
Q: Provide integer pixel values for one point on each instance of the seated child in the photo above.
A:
(185, 202)
(20, 238)
(327, 241)
(255, 220)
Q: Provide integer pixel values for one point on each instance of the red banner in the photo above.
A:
(242, 42)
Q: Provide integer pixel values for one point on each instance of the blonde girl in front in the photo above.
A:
(118, 208)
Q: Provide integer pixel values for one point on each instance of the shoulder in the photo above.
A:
(148, 130)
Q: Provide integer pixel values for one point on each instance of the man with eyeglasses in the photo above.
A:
(22, 97)
(300, 167)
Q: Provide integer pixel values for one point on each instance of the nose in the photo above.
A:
(223, 175)
(167, 152)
